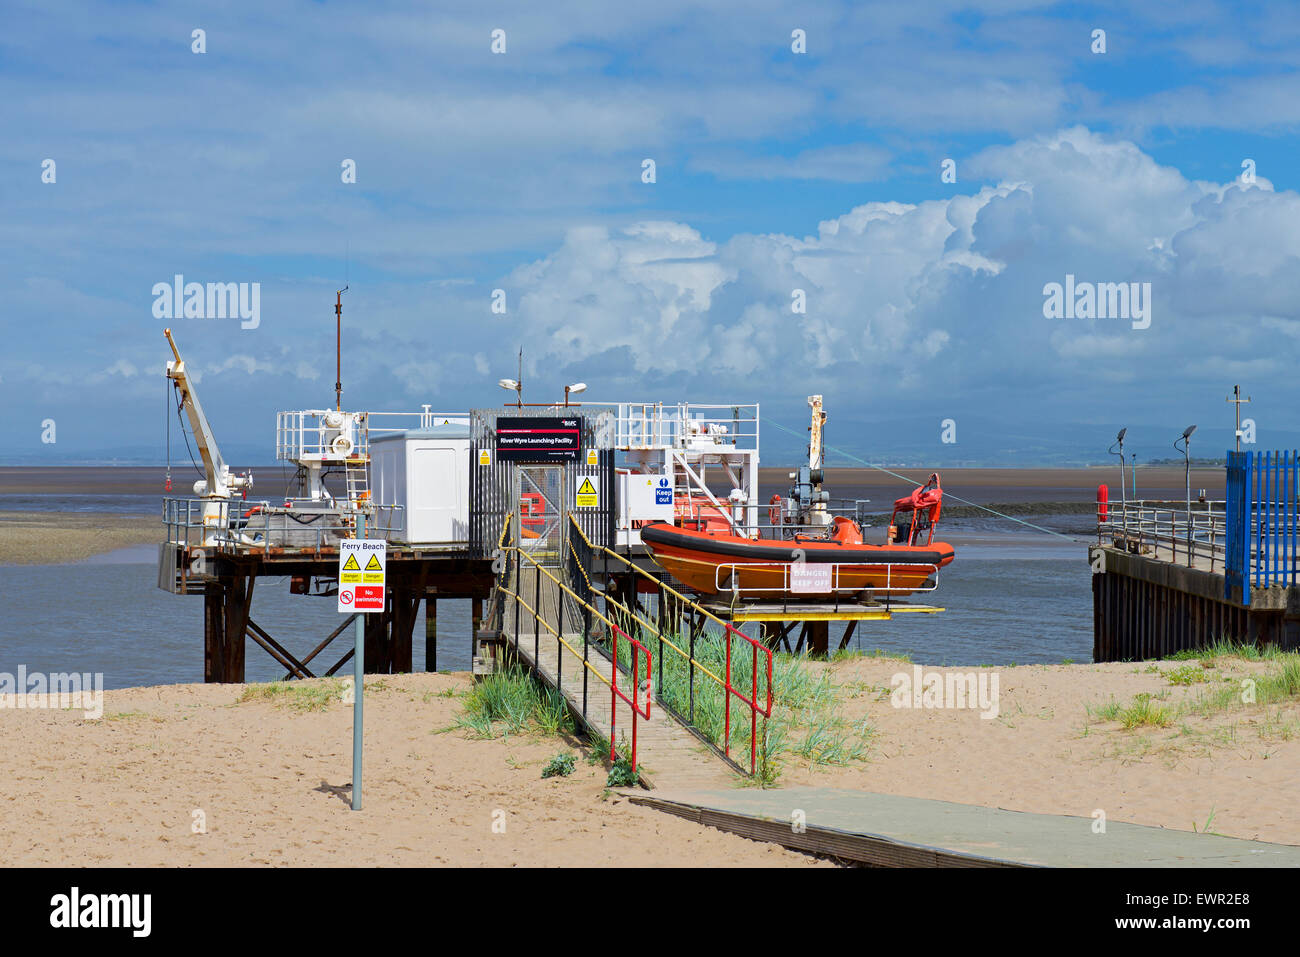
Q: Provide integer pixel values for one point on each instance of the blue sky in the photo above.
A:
(775, 171)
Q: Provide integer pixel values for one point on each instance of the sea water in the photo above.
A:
(1014, 594)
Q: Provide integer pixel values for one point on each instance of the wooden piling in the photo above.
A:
(431, 633)
(1144, 608)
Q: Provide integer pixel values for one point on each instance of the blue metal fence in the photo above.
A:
(1263, 547)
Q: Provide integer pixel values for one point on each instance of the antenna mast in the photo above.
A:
(1237, 400)
(338, 349)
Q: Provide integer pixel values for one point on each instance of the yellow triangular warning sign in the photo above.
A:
(351, 564)
(586, 488)
(373, 565)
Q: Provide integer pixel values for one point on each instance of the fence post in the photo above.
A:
(691, 668)
(559, 641)
(518, 587)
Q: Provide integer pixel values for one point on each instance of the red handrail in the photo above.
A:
(615, 692)
(752, 701)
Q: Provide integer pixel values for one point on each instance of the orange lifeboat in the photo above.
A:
(707, 556)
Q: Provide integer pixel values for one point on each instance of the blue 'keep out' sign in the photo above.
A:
(663, 493)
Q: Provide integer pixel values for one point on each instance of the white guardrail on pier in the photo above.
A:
(1167, 531)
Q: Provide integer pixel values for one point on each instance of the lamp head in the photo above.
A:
(510, 385)
(576, 387)
(1187, 432)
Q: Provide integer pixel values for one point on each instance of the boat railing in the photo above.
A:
(731, 581)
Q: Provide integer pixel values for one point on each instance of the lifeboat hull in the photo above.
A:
(713, 562)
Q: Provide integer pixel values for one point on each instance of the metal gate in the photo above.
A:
(495, 489)
(539, 522)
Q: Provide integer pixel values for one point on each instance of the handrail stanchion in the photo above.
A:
(727, 734)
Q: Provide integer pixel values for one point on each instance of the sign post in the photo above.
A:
(362, 565)
(539, 439)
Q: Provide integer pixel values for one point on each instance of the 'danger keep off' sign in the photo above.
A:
(361, 575)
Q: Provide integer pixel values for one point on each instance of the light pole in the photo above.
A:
(515, 386)
(1186, 439)
(1123, 490)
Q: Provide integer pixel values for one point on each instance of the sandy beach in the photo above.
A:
(271, 781)
(47, 538)
(1043, 753)
(272, 784)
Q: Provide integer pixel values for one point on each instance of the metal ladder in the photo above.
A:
(357, 472)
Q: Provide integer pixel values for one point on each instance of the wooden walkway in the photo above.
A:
(891, 831)
(667, 753)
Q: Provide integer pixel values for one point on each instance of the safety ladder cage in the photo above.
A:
(679, 667)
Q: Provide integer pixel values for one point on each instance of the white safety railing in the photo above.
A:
(685, 425)
(386, 423)
(307, 434)
(239, 525)
(1167, 530)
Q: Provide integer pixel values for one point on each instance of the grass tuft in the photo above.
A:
(1143, 712)
(310, 695)
(511, 702)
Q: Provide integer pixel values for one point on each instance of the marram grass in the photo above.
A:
(805, 725)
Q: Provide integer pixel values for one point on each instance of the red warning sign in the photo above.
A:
(361, 575)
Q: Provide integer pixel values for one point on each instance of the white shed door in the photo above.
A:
(432, 495)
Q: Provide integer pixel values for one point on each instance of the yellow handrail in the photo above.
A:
(655, 628)
(645, 574)
(538, 617)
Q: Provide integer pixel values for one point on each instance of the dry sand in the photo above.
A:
(272, 782)
(49, 538)
(1043, 754)
(273, 785)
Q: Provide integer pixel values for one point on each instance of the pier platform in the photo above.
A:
(886, 830)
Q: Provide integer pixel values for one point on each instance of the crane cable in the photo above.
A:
(881, 468)
(180, 406)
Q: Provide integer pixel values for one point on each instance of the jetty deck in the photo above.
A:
(1176, 576)
(887, 830)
